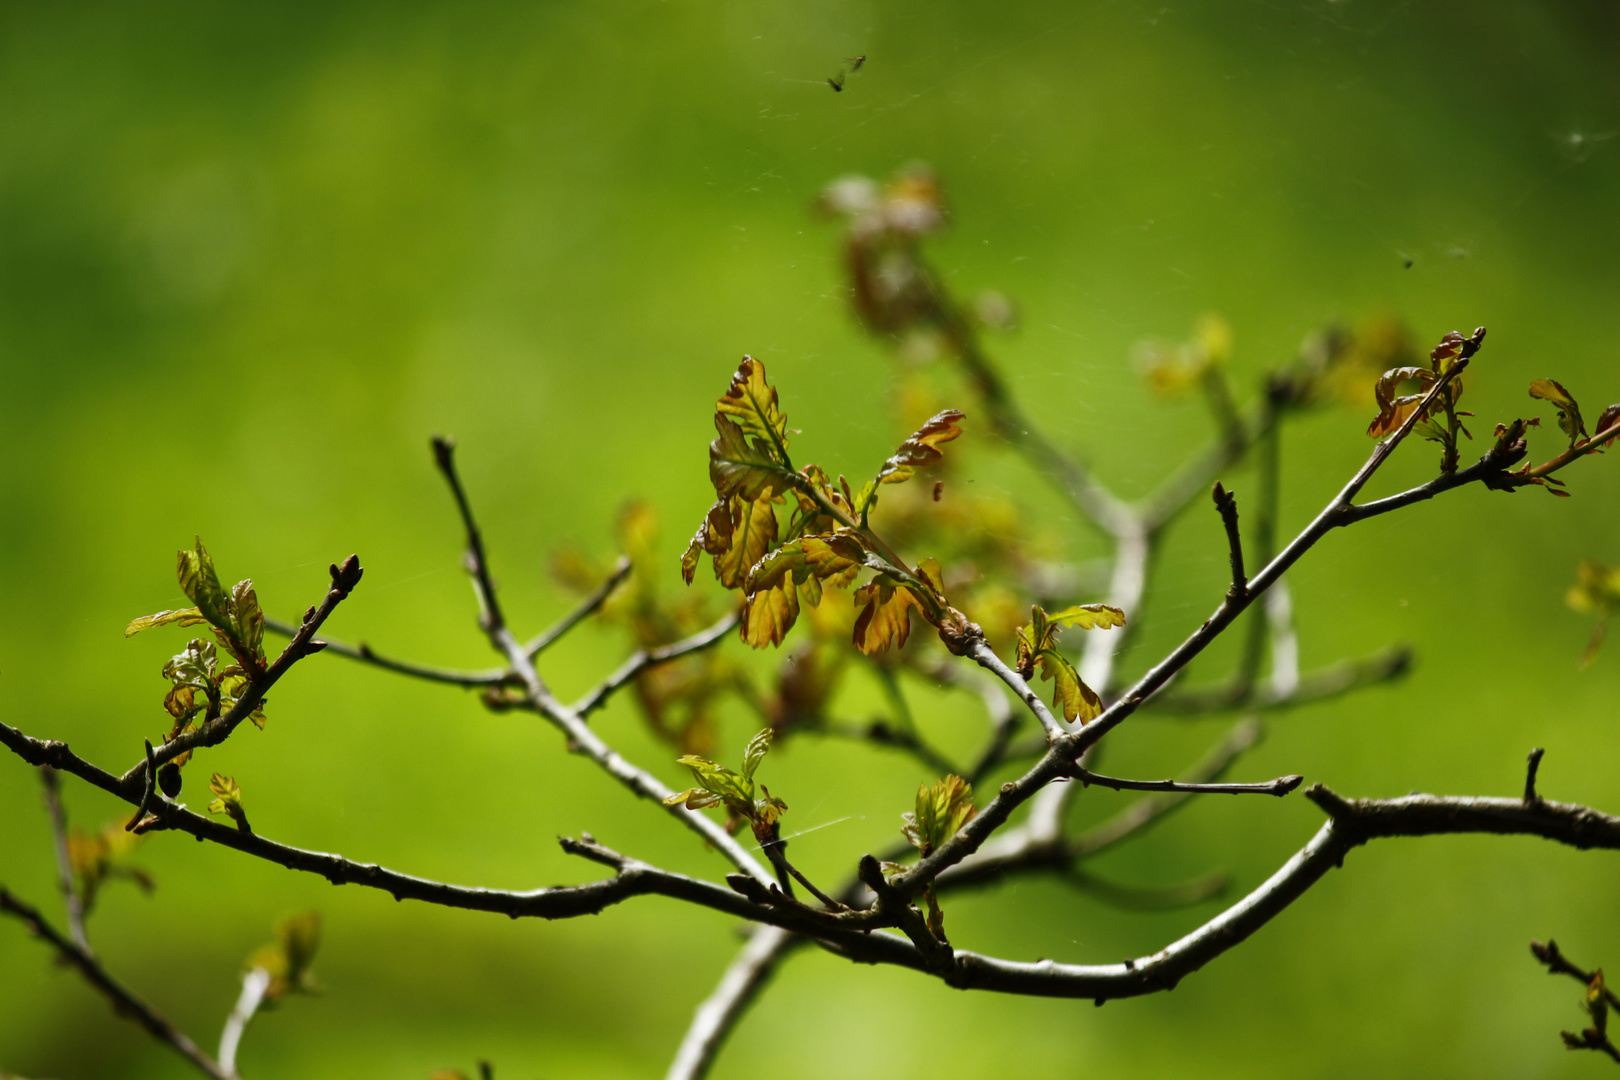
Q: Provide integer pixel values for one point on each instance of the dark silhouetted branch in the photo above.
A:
(124, 1001)
(1226, 505)
(1280, 786)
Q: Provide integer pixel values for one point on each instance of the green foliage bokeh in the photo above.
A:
(252, 256)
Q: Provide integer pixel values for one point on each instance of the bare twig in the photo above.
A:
(581, 738)
(1226, 505)
(1533, 763)
(71, 900)
(1559, 964)
(1321, 685)
(365, 654)
(585, 609)
(124, 1001)
(1280, 786)
(643, 659)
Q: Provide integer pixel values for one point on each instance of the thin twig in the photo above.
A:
(490, 617)
(367, 655)
(1160, 898)
(124, 1001)
(586, 608)
(1533, 763)
(1321, 685)
(1226, 505)
(1279, 787)
(71, 900)
(643, 659)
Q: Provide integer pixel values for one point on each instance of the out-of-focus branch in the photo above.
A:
(720, 1011)
(642, 659)
(582, 738)
(585, 609)
(254, 984)
(64, 862)
(124, 1001)
(1321, 685)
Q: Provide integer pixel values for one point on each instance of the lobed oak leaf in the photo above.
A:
(885, 617)
(748, 469)
(1569, 412)
(751, 402)
(1037, 645)
(228, 800)
(718, 784)
(753, 532)
(1393, 409)
(713, 536)
(921, 449)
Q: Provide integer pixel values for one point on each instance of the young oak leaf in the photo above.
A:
(743, 467)
(742, 798)
(235, 617)
(1037, 643)
(1393, 409)
(751, 402)
(228, 800)
(753, 532)
(885, 619)
(942, 809)
(713, 537)
(773, 586)
(922, 449)
(1569, 412)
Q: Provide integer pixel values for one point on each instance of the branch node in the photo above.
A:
(1226, 505)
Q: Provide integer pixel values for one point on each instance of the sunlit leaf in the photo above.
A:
(1087, 617)
(885, 617)
(942, 808)
(751, 402)
(758, 747)
(201, 584)
(922, 449)
(1569, 412)
(753, 532)
(228, 800)
(1393, 409)
(717, 784)
(180, 616)
(745, 468)
(1069, 692)
(248, 616)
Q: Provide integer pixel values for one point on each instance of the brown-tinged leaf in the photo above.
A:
(751, 402)
(1449, 346)
(923, 448)
(1392, 409)
(885, 617)
(744, 468)
(753, 533)
(713, 536)
(1609, 418)
(1569, 412)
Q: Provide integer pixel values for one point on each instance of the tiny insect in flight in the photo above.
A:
(851, 66)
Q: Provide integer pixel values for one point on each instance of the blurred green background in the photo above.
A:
(251, 256)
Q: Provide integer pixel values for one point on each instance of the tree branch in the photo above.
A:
(64, 863)
(586, 608)
(254, 984)
(715, 1019)
(1321, 685)
(303, 643)
(365, 654)
(1226, 505)
(643, 659)
(124, 1002)
(1280, 786)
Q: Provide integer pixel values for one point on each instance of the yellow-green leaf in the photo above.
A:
(200, 583)
(1069, 692)
(1087, 617)
(288, 959)
(228, 800)
(753, 533)
(942, 809)
(182, 616)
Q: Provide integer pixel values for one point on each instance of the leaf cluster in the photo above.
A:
(736, 791)
(228, 800)
(1037, 644)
